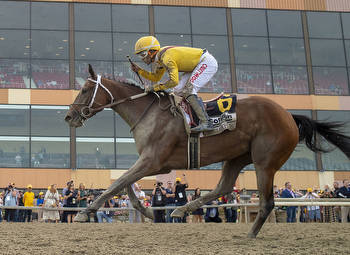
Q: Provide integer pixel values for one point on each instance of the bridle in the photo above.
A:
(87, 111)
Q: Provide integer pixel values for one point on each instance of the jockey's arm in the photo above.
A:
(155, 77)
(173, 73)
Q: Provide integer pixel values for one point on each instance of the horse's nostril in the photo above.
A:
(67, 118)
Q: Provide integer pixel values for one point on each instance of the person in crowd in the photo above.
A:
(107, 215)
(19, 215)
(328, 211)
(314, 213)
(64, 214)
(82, 196)
(169, 201)
(28, 200)
(335, 194)
(158, 200)
(40, 203)
(344, 192)
(212, 214)
(1, 204)
(11, 200)
(231, 212)
(180, 196)
(291, 210)
(51, 200)
(71, 196)
(197, 215)
(141, 197)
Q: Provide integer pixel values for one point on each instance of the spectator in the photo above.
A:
(197, 215)
(40, 203)
(180, 196)
(64, 214)
(82, 196)
(107, 215)
(344, 192)
(51, 200)
(1, 204)
(19, 215)
(335, 194)
(328, 211)
(314, 213)
(169, 201)
(158, 199)
(231, 212)
(71, 196)
(10, 200)
(28, 199)
(291, 210)
(212, 214)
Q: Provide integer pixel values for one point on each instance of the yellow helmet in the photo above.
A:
(146, 43)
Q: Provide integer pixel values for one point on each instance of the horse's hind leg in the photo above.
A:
(137, 205)
(266, 200)
(230, 172)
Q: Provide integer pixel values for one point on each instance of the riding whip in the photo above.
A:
(132, 63)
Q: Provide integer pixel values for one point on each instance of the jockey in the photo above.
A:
(198, 65)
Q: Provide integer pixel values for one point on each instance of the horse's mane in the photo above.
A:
(127, 82)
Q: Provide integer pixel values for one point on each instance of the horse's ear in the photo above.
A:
(92, 73)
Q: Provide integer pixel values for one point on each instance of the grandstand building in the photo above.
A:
(295, 52)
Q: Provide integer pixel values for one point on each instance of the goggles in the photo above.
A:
(142, 54)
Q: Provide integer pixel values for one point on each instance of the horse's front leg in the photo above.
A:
(142, 167)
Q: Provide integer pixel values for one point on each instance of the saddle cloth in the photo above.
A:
(221, 110)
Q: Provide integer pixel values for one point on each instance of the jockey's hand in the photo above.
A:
(135, 68)
(149, 89)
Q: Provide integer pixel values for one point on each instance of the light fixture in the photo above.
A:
(82, 55)
(60, 48)
(57, 54)
(92, 41)
(64, 40)
(2, 38)
(245, 46)
(27, 46)
(212, 44)
(87, 48)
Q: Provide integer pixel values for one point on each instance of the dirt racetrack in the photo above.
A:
(124, 238)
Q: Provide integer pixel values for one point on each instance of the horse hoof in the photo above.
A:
(177, 213)
(251, 235)
(149, 213)
(81, 217)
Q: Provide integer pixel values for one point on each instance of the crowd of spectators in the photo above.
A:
(173, 194)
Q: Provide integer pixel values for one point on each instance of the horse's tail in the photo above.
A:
(331, 131)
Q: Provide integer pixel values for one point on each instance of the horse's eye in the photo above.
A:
(84, 90)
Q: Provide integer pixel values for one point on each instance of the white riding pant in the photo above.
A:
(190, 83)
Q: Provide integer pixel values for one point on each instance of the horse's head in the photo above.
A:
(90, 100)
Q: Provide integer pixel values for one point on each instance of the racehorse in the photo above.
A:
(265, 135)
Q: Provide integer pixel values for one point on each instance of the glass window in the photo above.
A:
(50, 152)
(251, 50)
(172, 19)
(200, 24)
(49, 121)
(253, 79)
(302, 158)
(124, 44)
(215, 166)
(14, 14)
(347, 48)
(221, 82)
(82, 73)
(290, 80)
(123, 73)
(14, 120)
(101, 125)
(330, 81)
(216, 45)
(14, 73)
(50, 44)
(92, 17)
(285, 23)
(95, 153)
(287, 51)
(346, 24)
(248, 22)
(14, 44)
(126, 152)
(324, 24)
(174, 39)
(14, 151)
(335, 160)
(327, 52)
(49, 16)
(130, 18)
(50, 74)
(94, 46)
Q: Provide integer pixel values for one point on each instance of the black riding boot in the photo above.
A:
(198, 107)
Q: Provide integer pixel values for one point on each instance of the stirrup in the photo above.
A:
(203, 127)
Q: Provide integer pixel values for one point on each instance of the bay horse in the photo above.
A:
(265, 135)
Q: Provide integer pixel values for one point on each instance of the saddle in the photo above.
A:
(221, 111)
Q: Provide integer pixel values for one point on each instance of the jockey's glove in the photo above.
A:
(149, 89)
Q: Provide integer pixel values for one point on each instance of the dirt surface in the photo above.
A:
(124, 238)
